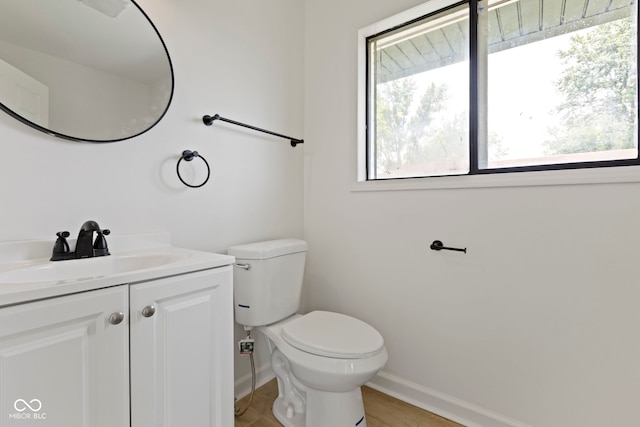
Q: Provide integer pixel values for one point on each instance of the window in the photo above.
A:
(519, 85)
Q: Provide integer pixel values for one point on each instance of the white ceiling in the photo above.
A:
(68, 29)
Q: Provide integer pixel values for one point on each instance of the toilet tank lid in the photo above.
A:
(268, 249)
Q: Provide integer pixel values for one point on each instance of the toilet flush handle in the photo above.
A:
(244, 266)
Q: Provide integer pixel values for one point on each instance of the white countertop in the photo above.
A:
(15, 256)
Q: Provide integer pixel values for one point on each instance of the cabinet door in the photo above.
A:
(63, 363)
(182, 351)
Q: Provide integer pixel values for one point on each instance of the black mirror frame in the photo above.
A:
(73, 138)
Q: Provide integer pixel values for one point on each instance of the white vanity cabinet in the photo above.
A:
(154, 353)
(63, 363)
(182, 351)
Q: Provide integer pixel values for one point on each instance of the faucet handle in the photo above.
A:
(61, 247)
(100, 245)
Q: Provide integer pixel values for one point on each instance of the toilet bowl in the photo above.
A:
(320, 359)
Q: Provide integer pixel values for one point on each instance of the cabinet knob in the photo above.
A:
(148, 311)
(116, 318)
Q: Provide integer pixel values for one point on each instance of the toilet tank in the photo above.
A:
(267, 280)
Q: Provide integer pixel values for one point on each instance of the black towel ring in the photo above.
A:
(189, 155)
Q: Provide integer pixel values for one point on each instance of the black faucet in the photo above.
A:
(84, 244)
(86, 247)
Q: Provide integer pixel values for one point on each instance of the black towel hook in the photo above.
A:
(188, 155)
(437, 245)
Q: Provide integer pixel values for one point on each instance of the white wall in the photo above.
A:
(243, 60)
(537, 325)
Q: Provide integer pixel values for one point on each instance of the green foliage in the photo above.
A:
(408, 135)
(392, 132)
(599, 89)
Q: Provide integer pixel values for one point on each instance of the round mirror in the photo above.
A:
(85, 70)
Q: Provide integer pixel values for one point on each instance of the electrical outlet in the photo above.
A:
(246, 346)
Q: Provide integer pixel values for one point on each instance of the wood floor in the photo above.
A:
(381, 411)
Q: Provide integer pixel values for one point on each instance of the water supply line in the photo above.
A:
(239, 412)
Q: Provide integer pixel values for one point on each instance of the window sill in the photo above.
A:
(609, 175)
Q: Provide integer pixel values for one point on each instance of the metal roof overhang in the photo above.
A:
(511, 23)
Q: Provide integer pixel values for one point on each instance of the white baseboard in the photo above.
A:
(242, 386)
(442, 404)
(439, 403)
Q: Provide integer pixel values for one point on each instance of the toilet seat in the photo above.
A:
(334, 335)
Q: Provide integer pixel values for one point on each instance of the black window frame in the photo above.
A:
(474, 168)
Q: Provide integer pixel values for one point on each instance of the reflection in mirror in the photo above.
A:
(90, 70)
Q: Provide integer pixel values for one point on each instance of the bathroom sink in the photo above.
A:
(27, 274)
(83, 269)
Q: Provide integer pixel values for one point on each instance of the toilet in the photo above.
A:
(321, 358)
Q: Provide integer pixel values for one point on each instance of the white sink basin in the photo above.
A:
(86, 268)
(26, 274)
